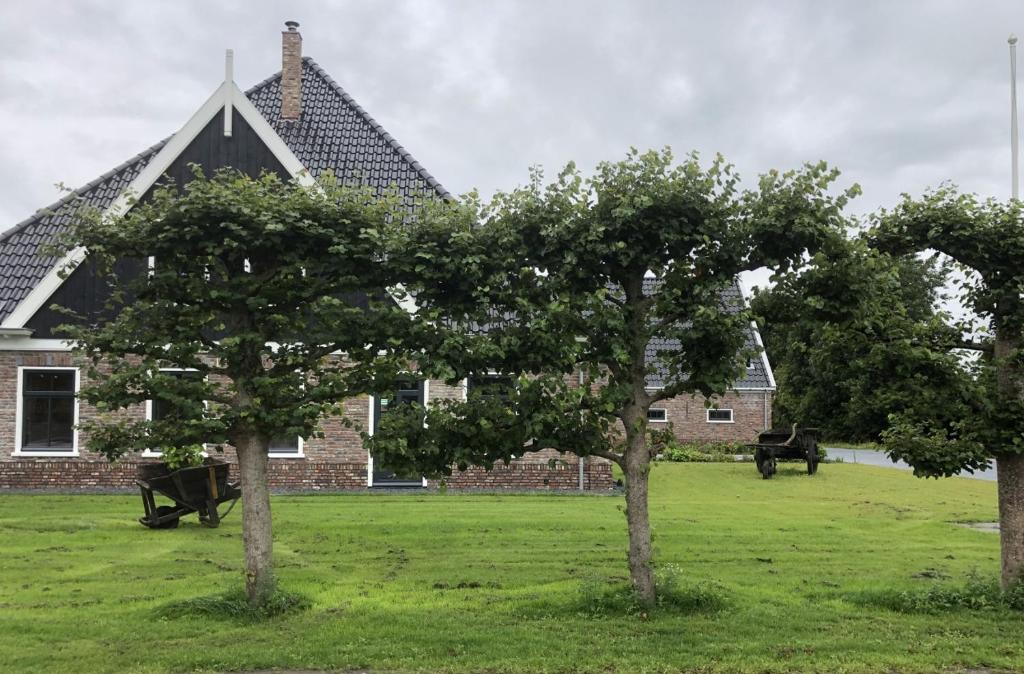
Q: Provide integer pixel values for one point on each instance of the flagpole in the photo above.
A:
(1014, 137)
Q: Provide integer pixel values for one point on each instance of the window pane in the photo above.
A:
(656, 415)
(720, 415)
(62, 422)
(48, 423)
(49, 380)
(285, 445)
(35, 431)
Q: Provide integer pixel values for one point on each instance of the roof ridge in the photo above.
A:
(423, 173)
(76, 193)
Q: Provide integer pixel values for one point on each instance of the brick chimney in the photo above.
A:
(291, 71)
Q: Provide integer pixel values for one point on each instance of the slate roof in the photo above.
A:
(756, 376)
(333, 132)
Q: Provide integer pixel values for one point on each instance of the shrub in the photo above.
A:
(702, 452)
(183, 457)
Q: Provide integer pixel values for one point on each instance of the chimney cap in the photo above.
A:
(291, 25)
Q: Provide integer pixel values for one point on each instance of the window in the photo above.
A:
(657, 414)
(284, 447)
(48, 412)
(490, 386)
(719, 416)
(166, 408)
(750, 364)
(407, 391)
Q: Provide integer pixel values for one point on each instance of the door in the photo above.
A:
(406, 392)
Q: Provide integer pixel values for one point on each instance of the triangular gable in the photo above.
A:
(229, 99)
(333, 133)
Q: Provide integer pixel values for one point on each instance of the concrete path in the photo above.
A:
(871, 457)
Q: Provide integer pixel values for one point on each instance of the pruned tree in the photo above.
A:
(256, 285)
(985, 237)
(573, 282)
(856, 335)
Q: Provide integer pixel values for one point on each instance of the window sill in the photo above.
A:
(35, 453)
(657, 421)
(276, 455)
(720, 422)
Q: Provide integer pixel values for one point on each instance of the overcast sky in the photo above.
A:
(899, 95)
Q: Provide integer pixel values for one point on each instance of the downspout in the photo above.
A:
(581, 381)
(766, 419)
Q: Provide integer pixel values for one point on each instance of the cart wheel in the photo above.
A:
(169, 524)
(812, 461)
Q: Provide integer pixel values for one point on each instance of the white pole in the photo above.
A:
(229, 76)
(1014, 136)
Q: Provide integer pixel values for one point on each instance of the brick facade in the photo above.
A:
(336, 461)
(687, 416)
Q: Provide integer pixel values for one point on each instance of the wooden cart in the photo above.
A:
(798, 443)
(199, 489)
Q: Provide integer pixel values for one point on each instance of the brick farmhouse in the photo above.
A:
(298, 123)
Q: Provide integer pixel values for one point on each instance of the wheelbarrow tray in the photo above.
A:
(198, 489)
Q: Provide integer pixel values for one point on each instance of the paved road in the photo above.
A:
(872, 457)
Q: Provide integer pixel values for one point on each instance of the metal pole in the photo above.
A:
(1014, 136)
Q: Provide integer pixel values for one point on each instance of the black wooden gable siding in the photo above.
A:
(244, 151)
(84, 292)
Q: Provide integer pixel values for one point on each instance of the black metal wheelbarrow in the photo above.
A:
(199, 489)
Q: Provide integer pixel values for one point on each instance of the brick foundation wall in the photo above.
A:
(338, 460)
(301, 475)
(522, 476)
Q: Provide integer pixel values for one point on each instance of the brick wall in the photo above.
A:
(338, 460)
(687, 416)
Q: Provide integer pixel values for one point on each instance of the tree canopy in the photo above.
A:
(568, 286)
(856, 335)
(985, 237)
(273, 293)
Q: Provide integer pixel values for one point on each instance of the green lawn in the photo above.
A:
(81, 581)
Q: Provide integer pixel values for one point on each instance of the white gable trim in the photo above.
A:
(764, 357)
(227, 95)
(760, 344)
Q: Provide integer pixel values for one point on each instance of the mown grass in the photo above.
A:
(772, 576)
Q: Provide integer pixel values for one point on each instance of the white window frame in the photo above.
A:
(664, 415)
(19, 411)
(301, 454)
(149, 453)
(732, 415)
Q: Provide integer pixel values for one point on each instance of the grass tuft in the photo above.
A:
(977, 593)
(613, 596)
(234, 605)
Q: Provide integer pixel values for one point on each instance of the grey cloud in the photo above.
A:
(899, 95)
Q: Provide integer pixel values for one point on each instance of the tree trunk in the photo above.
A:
(1010, 476)
(1009, 466)
(256, 530)
(637, 470)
